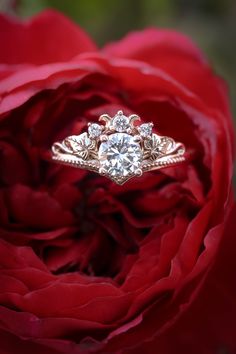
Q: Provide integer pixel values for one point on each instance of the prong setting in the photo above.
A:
(137, 138)
(103, 138)
(102, 171)
(138, 172)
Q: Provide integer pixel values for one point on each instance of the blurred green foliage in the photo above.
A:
(211, 23)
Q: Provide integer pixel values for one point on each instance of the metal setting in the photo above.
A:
(119, 148)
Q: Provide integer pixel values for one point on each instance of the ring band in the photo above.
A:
(119, 148)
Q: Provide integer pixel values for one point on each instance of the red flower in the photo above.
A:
(88, 266)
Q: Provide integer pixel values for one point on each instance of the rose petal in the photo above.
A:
(166, 50)
(36, 209)
(208, 326)
(48, 37)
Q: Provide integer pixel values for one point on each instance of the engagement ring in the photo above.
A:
(119, 149)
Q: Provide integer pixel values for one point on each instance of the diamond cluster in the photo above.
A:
(120, 152)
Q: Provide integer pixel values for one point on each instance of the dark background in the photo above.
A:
(211, 23)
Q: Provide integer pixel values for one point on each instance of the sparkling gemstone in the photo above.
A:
(95, 130)
(145, 129)
(120, 123)
(120, 155)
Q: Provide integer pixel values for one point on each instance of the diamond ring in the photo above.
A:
(119, 148)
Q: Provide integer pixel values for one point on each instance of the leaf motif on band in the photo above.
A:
(160, 146)
(80, 145)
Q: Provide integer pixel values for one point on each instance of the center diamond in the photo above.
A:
(120, 155)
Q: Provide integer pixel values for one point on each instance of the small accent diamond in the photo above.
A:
(145, 129)
(95, 130)
(120, 123)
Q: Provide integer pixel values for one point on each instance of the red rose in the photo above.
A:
(88, 266)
